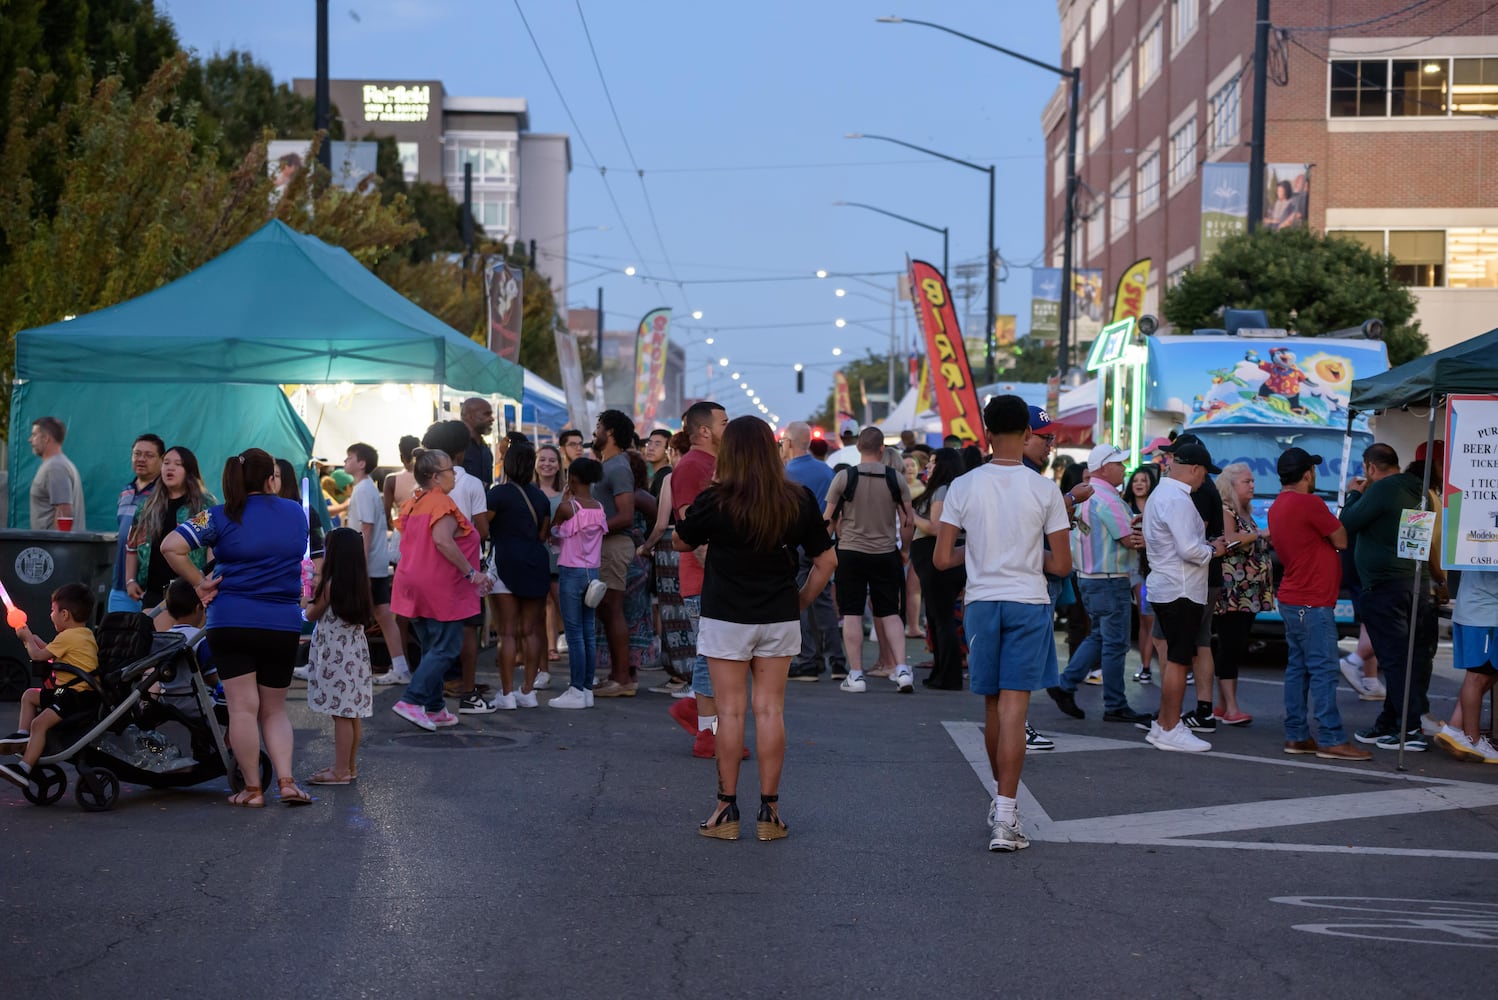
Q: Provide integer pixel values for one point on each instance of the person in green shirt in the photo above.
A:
(1371, 518)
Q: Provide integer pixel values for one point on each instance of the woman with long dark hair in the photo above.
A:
(1136, 494)
(181, 497)
(254, 611)
(519, 524)
(553, 482)
(752, 520)
(940, 588)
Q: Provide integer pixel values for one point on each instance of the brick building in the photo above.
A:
(1392, 108)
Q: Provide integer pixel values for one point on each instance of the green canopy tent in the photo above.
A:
(1468, 367)
(200, 361)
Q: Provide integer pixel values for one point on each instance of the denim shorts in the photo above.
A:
(1007, 646)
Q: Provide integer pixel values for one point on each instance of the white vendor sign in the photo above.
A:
(1470, 525)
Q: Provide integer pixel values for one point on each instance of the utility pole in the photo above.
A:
(1256, 141)
(1069, 223)
(323, 105)
(965, 274)
(467, 220)
(598, 325)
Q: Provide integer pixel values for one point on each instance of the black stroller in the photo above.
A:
(158, 739)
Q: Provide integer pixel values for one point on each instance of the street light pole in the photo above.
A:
(989, 170)
(1063, 346)
(945, 232)
(322, 110)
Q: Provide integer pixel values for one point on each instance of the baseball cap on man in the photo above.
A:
(848, 428)
(1294, 463)
(1040, 420)
(1192, 453)
(1180, 439)
(1104, 454)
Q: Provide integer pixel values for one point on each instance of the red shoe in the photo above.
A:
(684, 711)
(706, 745)
(1232, 718)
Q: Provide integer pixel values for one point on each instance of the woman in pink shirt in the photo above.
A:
(580, 525)
(437, 586)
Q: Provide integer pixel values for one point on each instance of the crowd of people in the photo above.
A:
(726, 556)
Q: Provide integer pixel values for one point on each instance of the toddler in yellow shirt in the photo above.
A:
(64, 693)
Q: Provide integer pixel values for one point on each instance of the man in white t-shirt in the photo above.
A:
(1008, 513)
(366, 515)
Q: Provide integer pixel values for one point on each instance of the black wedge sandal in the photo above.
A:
(725, 825)
(769, 825)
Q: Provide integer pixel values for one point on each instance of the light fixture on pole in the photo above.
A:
(993, 303)
(945, 233)
(1074, 75)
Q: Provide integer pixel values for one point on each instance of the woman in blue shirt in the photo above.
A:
(254, 618)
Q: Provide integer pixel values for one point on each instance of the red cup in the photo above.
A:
(64, 524)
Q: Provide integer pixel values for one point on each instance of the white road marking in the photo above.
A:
(1183, 827)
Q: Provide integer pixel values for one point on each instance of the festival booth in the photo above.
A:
(207, 360)
(1459, 387)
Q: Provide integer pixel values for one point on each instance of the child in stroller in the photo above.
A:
(182, 613)
(67, 691)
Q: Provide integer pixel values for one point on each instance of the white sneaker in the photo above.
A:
(1093, 677)
(1180, 739)
(1007, 837)
(561, 644)
(853, 685)
(589, 693)
(1353, 674)
(570, 698)
(904, 679)
(543, 681)
(303, 672)
(1376, 686)
(523, 700)
(1430, 725)
(1455, 742)
(393, 677)
(1485, 751)
(504, 702)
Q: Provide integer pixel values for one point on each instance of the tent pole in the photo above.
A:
(1346, 457)
(1409, 657)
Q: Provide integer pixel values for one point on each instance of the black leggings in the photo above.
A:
(939, 590)
(1233, 628)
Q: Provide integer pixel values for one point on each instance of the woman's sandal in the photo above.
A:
(291, 795)
(251, 797)
(724, 825)
(328, 776)
(769, 825)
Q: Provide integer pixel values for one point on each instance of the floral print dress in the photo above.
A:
(1247, 578)
(340, 681)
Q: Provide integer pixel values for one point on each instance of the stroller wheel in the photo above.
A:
(236, 781)
(97, 790)
(50, 781)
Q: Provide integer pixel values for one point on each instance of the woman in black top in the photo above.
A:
(940, 588)
(518, 525)
(752, 520)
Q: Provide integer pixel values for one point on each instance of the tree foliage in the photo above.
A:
(873, 371)
(1305, 281)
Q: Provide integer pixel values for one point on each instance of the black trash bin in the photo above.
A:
(32, 565)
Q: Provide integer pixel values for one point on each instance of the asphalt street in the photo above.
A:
(554, 854)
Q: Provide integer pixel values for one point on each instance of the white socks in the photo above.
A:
(1355, 659)
(398, 664)
(1005, 809)
(706, 722)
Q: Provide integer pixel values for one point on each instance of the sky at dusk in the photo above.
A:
(737, 116)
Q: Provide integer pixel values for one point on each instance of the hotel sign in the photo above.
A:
(397, 104)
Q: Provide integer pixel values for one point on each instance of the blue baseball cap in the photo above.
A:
(1040, 420)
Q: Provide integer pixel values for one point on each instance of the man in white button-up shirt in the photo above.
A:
(1177, 585)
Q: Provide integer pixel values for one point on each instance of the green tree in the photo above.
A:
(237, 101)
(1306, 281)
(1034, 360)
(873, 371)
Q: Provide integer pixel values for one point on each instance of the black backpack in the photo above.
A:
(850, 489)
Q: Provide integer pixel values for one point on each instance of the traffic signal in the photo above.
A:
(800, 381)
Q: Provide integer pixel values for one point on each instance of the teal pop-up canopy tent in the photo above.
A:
(200, 362)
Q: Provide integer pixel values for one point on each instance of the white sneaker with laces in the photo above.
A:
(1007, 837)
(561, 644)
(589, 693)
(1353, 674)
(1034, 741)
(570, 698)
(1430, 725)
(504, 702)
(392, 677)
(523, 700)
(1180, 739)
(1455, 742)
(543, 681)
(904, 679)
(853, 685)
(1485, 750)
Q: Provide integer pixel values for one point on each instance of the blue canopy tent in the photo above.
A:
(542, 404)
(201, 362)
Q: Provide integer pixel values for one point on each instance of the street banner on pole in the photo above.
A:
(650, 365)
(1287, 200)
(952, 378)
(842, 398)
(1045, 302)
(1469, 527)
(570, 363)
(1087, 305)
(505, 287)
(1128, 300)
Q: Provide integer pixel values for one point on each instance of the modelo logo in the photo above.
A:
(34, 565)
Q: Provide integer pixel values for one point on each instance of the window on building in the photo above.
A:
(1360, 88)
(1097, 121)
(1472, 258)
(1097, 233)
(1183, 21)
(410, 157)
(1123, 88)
(492, 159)
(1222, 123)
(1058, 171)
(1148, 184)
(1419, 257)
(1183, 153)
(1174, 277)
(1078, 47)
(1151, 54)
(492, 211)
(1118, 204)
(1097, 21)
(1417, 87)
(1474, 86)
(1373, 239)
